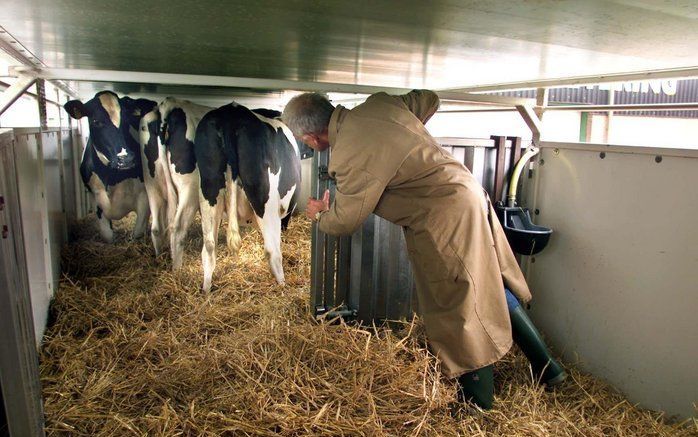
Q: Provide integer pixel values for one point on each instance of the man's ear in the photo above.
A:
(309, 139)
(75, 109)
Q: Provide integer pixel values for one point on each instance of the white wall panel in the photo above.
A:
(30, 184)
(46, 182)
(617, 287)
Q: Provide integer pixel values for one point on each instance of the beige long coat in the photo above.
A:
(384, 161)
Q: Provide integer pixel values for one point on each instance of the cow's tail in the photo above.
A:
(172, 196)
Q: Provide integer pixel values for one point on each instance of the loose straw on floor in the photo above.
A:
(135, 349)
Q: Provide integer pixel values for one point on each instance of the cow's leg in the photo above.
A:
(171, 190)
(245, 213)
(103, 203)
(233, 232)
(210, 221)
(270, 225)
(158, 226)
(156, 189)
(105, 229)
(142, 214)
(285, 221)
(186, 210)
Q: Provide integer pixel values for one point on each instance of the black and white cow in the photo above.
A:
(171, 174)
(250, 167)
(111, 163)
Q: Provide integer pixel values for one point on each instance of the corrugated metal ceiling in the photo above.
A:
(431, 44)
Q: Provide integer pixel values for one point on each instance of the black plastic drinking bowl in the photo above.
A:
(524, 237)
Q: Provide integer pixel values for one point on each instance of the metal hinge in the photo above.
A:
(323, 173)
(343, 312)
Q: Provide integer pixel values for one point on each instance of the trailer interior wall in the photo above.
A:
(19, 379)
(50, 196)
(615, 290)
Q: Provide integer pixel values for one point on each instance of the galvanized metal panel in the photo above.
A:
(615, 290)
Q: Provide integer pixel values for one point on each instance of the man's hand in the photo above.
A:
(314, 206)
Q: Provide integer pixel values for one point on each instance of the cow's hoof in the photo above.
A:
(234, 244)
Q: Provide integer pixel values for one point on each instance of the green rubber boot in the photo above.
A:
(477, 386)
(545, 368)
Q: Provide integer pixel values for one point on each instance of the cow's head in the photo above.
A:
(107, 119)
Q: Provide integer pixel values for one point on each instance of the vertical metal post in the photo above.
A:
(343, 267)
(330, 271)
(60, 118)
(317, 257)
(584, 127)
(515, 153)
(609, 117)
(541, 102)
(41, 101)
(500, 158)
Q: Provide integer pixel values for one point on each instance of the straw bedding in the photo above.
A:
(135, 349)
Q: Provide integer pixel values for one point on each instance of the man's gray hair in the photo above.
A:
(307, 113)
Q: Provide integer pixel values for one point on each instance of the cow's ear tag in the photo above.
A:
(137, 112)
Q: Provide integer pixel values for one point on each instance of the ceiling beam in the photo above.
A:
(83, 75)
(672, 73)
(626, 107)
(15, 91)
(532, 121)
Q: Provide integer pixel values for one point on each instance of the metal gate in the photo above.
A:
(367, 276)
